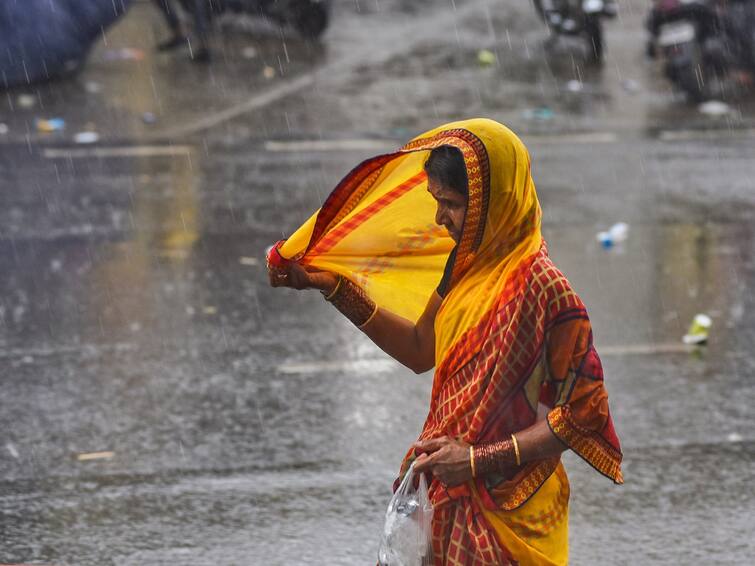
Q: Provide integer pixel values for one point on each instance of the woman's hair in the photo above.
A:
(446, 166)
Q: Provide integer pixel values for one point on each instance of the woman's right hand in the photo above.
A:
(296, 276)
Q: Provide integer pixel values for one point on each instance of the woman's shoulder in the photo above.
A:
(545, 272)
(551, 287)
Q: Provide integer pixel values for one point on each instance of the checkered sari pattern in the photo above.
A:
(480, 394)
(461, 537)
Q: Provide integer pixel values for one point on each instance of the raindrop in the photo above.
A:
(12, 450)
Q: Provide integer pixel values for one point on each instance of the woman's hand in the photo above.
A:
(446, 458)
(297, 277)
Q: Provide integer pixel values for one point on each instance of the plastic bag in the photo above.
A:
(405, 540)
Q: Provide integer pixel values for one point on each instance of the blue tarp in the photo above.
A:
(43, 39)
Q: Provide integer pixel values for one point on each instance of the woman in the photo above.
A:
(517, 380)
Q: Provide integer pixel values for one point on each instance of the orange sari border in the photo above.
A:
(359, 180)
(478, 179)
(590, 446)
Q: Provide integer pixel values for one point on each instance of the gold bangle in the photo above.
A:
(352, 302)
(471, 461)
(335, 289)
(516, 450)
(366, 322)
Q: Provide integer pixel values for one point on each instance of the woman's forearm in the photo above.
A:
(538, 442)
(402, 340)
(534, 443)
(411, 344)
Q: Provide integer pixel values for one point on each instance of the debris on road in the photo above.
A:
(149, 117)
(574, 86)
(50, 125)
(86, 137)
(268, 72)
(88, 456)
(485, 58)
(605, 239)
(92, 87)
(124, 54)
(714, 108)
(249, 52)
(616, 234)
(210, 310)
(252, 261)
(540, 113)
(631, 86)
(698, 330)
(4, 129)
(26, 100)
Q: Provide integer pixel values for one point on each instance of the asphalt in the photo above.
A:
(162, 405)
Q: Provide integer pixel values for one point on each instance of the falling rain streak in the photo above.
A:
(163, 405)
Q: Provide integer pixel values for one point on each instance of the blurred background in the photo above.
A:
(162, 405)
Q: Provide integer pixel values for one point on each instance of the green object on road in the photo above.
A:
(698, 330)
(485, 58)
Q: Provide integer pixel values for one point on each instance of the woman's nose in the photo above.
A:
(440, 216)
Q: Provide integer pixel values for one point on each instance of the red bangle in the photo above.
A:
(274, 258)
(494, 457)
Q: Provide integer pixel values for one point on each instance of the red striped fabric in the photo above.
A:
(340, 232)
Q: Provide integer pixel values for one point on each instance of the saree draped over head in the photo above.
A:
(513, 340)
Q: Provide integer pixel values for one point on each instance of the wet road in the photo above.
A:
(237, 424)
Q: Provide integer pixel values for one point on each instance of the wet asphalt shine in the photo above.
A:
(161, 404)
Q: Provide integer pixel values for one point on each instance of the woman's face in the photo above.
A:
(452, 206)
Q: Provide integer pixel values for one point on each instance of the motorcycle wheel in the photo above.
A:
(594, 32)
(691, 77)
(310, 18)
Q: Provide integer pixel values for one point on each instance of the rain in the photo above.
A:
(162, 404)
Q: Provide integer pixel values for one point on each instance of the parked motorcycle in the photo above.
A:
(578, 18)
(309, 17)
(701, 41)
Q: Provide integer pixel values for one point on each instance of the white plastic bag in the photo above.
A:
(405, 540)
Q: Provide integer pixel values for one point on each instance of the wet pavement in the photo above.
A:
(162, 405)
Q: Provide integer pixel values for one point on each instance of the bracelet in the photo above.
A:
(353, 302)
(516, 450)
(335, 289)
(494, 457)
(471, 461)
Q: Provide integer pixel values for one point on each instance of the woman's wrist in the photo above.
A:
(493, 457)
(351, 301)
(328, 284)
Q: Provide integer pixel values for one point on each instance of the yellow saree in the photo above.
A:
(513, 341)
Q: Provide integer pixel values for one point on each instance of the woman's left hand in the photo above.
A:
(446, 458)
